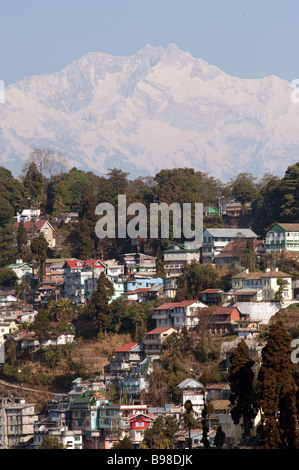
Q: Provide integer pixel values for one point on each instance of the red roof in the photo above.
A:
(127, 347)
(244, 293)
(142, 416)
(140, 289)
(222, 310)
(157, 331)
(211, 291)
(79, 263)
(28, 225)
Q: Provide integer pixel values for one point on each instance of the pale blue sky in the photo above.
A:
(245, 38)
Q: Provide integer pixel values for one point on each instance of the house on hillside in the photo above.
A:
(144, 265)
(176, 256)
(259, 286)
(126, 357)
(153, 340)
(211, 296)
(178, 315)
(229, 254)
(283, 237)
(80, 278)
(28, 215)
(223, 320)
(193, 390)
(215, 239)
(144, 294)
(138, 425)
(209, 211)
(34, 229)
(22, 270)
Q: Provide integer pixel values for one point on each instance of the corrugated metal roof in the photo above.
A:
(231, 232)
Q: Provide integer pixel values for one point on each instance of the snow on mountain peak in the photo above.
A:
(158, 108)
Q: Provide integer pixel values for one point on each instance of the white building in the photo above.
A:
(17, 420)
(70, 439)
(21, 270)
(191, 389)
(28, 215)
(215, 239)
(283, 237)
(178, 315)
(175, 258)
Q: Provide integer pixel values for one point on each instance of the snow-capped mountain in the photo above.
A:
(159, 108)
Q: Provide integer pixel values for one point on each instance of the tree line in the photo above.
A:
(46, 183)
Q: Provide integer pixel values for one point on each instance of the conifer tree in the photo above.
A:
(278, 390)
(243, 394)
(21, 237)
(100, 299)
(219, 438)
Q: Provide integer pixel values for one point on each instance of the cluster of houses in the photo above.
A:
(86, 418)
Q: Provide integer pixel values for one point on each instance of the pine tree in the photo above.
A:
(32, 181)
(243, 395)
(278, 390)
(21, 237)
(219, 438)
(87, 240)
(100, 299)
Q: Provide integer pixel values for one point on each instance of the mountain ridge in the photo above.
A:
(158, 108)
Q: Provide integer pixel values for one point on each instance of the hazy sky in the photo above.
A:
(245, 38)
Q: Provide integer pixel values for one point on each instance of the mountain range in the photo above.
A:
(159, 108)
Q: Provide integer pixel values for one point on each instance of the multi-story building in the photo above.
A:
(178, 315)
(54, 270)
(282, 237)
(138, 425)
(258, 286)
(215, 239)
(22, 270)
(140, 263)
(17, 420)
(34, 229)
(175, 258)
(191, 389)
(80, 278)
(154, 339)
(70, 439)
(126, 357)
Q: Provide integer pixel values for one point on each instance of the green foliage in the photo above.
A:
(100, 299)
(39, 247)
(16, 374)
(51, 443)
(32, 181)
(21, 237)
(52, 356)
(278, 296)
(278, 390)
(125, 443)
(243, 394)
(290, 191)
(7, 277)
(40, 325)
(7, 245)
(243, 188)
(195, 278)
(161, 435)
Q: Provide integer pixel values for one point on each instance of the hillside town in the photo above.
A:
(184, 311)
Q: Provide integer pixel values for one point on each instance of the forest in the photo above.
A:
(47, 184)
